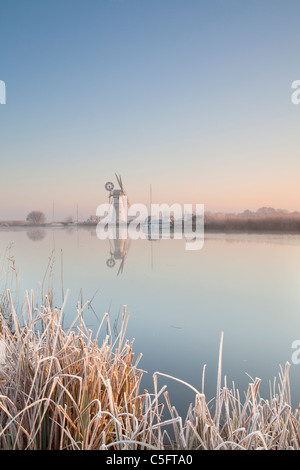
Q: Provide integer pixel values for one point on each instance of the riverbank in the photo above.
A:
(247, 223)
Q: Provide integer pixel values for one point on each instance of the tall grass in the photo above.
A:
(8, 279)
(68, 389)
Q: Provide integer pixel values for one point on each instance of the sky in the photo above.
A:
(192, 97)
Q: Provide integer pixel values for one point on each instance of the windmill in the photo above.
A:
(119, 199)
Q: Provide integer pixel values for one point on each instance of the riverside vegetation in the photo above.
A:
(74, 389)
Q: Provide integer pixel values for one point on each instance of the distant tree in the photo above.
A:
(36, 218)
(69, 219)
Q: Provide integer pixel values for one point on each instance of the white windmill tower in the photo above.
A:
(120, 201)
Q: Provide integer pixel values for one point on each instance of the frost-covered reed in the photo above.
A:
(74, 389)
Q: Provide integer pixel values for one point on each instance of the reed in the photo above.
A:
(8, 279)
(277, 223)
(69, 389)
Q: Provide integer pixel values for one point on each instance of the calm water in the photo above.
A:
(180, 301)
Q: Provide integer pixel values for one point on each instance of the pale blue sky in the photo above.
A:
(191, 96)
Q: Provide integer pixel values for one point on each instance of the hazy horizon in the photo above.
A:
(84, 217)
(192, 97)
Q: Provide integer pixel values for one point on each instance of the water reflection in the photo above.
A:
(120, 246)
(36, 234)
(245, 285)
(119, 249)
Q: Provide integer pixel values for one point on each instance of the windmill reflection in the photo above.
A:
(119, 248)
